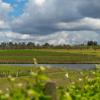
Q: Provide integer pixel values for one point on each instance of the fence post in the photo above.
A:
(50, 90)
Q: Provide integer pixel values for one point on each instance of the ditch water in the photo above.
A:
(70, 66)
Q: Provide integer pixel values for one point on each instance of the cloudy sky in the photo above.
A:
(52, 21)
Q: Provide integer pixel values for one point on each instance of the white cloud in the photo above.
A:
(16, 36)
(62, 37)
(3, 25)
(39, 2)
(85, 24)
(5, 8)
(71, 37)
(94, 23)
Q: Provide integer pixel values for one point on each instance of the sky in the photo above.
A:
(53, 21)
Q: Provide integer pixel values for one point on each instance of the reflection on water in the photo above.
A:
(71, 66)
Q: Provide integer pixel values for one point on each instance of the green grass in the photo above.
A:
(71, 84)
(50, 56)
(22, 74)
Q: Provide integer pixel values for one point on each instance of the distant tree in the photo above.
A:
(95, 43)
(92, 43)
(46, 45)
(10, 45)
(30, 45)
(3, 45)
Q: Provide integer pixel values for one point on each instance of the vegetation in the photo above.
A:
(71, 84)
(50, 56)
(28, 83)
(31, 45)
(92, 43)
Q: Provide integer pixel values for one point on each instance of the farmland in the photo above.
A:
(50, 56)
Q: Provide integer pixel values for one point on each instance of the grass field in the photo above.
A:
(50, 56)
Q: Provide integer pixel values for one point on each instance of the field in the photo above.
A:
(50, 56)
(29, 83)
(23, 74)
(18, 83)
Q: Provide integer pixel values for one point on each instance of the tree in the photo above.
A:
(30, 45)
(46, 45)
(92, 43)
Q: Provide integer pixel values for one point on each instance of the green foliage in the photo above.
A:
(30, 92)
(85, 88)
(88, 90)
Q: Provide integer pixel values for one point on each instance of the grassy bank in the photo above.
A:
(50, 56)
(71, 84)
(22, 74)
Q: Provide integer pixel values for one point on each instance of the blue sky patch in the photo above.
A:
(18, 7)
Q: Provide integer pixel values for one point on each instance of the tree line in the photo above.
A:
(31, 45)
